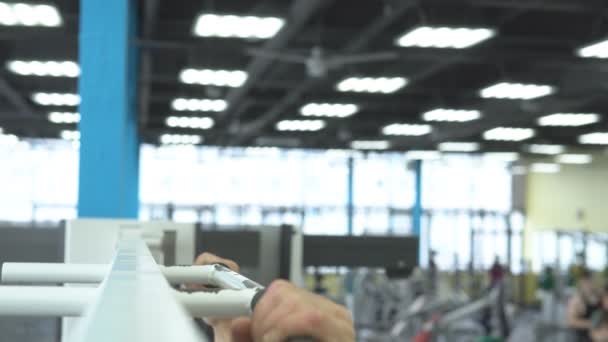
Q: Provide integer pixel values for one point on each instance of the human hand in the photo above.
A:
(287, 311)
(221, 327)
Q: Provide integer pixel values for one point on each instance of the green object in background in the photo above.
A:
(605, 273)
(490, 339)
(598, 318)
(574, 274)
(546, 279)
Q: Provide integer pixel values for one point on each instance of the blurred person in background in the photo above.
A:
(496, 273)
(581, 306)
(546, 293)
(599, 320)
(432, 273)
(576, 270)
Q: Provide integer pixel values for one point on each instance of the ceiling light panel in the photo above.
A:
(64, 117)
(406, 129)
(70, 135)
(423, 155)
(508, 134)
(502, 156)
(385, 85)
(330, 110)
(180, 139)
(189, 122)
(451, 115)
(300, 125)
(21, 14)
(516, 91)
(220, 78)
(370, 144)
(56, 99)
(233, 26)
(595, 50)
(544, 168)
(263, 151)
(574, 159)
(546, 149)
(596, 138)
(44, 68)
(569, 119)
(199, 105)
(458, 146)
(445, 37)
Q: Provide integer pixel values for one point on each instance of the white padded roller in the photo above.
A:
(52, 273)
(44, 301)
(220, 304)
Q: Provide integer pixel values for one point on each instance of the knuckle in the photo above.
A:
(199, 260)
(278, 285)
(232, 265)
(293, 298)
(272, 296)
(205, 258)
(314, 318)
(207, 255)
(274, 335)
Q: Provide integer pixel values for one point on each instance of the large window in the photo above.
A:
(468, 203)
(38, 181)
(250, 186)
(560, 249)
(384, 187)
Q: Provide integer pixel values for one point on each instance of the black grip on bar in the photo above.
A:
(256, 298)
(254, 301)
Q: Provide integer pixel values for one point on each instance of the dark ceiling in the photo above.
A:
(536, 43)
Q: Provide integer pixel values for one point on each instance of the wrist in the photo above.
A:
(220, 335)
(222, 332)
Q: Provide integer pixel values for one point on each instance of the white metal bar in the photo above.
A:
(188, 274)
(44, 301)
(220, 304)
(52, 273)
(73, 301)
(227, 279)
(58, 273)
(217, 275)
(135, 303)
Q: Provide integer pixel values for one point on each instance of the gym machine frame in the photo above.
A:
(135, 300)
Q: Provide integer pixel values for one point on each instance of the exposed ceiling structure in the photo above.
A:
(355, 73)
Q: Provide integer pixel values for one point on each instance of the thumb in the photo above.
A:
(241, 330)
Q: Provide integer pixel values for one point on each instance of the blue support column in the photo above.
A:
(417, 209)
(350, 204)
(109, 143)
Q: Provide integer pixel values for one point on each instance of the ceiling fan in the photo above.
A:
(318, 63)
